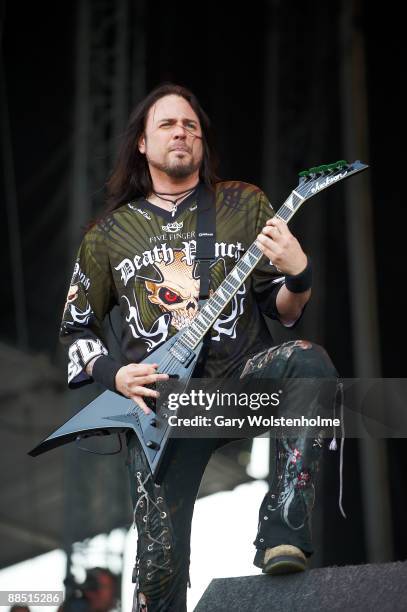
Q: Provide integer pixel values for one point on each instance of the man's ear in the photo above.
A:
(142, 144)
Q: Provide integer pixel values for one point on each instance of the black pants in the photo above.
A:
(163, 513)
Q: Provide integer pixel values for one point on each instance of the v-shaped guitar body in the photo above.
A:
(111, 412)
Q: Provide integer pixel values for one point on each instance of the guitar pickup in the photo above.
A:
(182, 353)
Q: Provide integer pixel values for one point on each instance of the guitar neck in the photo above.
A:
(207, 316)
(312, 182)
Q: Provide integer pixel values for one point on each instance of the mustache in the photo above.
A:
(185, 147)
(180, 148)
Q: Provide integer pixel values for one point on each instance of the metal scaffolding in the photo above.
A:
(109, 77)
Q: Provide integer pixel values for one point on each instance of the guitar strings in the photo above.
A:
(170, 364)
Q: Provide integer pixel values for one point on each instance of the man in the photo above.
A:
(100, 589)
(98, 593)
(141, 255)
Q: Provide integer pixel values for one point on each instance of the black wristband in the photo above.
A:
(301, 282)
(104, 371)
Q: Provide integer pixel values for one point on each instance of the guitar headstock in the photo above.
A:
(317, 178)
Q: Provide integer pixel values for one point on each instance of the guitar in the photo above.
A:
(178, 357)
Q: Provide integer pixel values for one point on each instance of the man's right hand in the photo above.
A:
(130, 381)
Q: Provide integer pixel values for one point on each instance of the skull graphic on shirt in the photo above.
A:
(178, 292)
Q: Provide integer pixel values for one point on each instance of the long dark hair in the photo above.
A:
(131, 178)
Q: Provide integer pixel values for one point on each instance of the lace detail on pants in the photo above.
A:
(147, 505)
(153, 569)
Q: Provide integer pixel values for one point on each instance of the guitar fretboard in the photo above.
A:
(317, 180)
(236, 277)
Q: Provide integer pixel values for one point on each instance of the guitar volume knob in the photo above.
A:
(152, 444)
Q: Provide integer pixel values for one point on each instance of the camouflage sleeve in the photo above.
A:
(90, 297)
(267, 280)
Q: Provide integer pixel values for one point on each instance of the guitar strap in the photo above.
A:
(205, 238)
(205, 254)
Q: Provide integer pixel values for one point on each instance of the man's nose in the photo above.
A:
(179, 131)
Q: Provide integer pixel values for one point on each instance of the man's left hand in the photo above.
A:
(281, 247)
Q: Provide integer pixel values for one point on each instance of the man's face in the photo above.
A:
(172, 141)
(103, 599)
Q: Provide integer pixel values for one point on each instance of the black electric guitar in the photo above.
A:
(178, 357)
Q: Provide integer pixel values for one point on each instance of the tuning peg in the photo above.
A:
(341, 163)
(322, 169)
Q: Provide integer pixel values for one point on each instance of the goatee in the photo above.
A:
(177, 170)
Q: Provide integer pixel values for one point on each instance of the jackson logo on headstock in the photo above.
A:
(328, 181)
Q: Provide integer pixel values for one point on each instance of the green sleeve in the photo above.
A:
(91, 296)
(267, 280)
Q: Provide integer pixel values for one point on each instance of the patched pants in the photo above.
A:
(163, 513)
